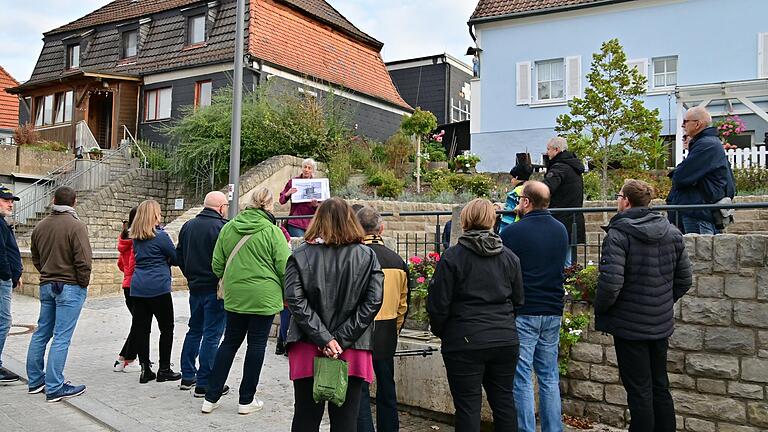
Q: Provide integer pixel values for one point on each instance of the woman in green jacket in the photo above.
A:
(249, 256)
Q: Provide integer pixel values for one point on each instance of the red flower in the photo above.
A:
(415, 260)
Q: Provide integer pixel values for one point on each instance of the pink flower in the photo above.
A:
(420, 279)
(415, 260)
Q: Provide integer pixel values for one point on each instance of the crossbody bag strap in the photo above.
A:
(239, 245)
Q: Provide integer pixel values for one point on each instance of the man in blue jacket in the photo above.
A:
(704, 176)
(541, 243)
(194, 253)
(10, 275)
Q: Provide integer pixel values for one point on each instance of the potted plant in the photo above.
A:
(434, 148)
(466, 162)
(421, 270)
(95, 153)
(730, 127)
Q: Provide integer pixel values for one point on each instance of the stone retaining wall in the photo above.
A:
(718, 357)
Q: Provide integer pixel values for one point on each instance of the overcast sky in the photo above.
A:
(408, 28)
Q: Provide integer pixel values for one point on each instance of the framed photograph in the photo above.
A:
(311, 189)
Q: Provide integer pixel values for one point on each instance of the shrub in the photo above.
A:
(751, 181)
(360, 156)
(339, 169)
(399, 150)
(391, 188)
(54, 146)
(436, 152)
(379, 153)
(25, 134)
(480, 185)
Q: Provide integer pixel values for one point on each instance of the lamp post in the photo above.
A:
(237, 111)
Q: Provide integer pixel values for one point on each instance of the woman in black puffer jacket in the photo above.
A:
(471, 304)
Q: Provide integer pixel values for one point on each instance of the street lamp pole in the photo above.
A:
(237, 111)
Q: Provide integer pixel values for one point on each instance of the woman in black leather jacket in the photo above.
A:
(471, 305)
(334, 288)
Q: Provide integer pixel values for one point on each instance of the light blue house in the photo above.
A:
(534, 55)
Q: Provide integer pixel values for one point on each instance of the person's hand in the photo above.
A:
(19, 284)
(333, 349)
(291, 191)
(314, 203)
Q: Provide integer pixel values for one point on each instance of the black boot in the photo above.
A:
(280, 347)
(167, 375)
(146, 373)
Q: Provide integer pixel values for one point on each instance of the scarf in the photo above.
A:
(64, 209)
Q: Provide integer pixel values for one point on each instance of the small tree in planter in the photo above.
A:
(419, 124)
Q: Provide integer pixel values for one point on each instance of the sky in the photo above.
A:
(408, 28)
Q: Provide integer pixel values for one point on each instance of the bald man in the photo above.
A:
(541, 243)
(206, 313)
(704, 176)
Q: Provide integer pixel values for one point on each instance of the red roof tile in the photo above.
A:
(494, 8)
(280, 36)
(9, 104)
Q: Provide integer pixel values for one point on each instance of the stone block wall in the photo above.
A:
(718, 356)
(40, 162)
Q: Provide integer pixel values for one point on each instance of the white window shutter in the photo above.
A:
(642, 66)
(524, 83)
(762, 55)
(573, 77)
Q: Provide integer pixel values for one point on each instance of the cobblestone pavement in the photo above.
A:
(117, 401)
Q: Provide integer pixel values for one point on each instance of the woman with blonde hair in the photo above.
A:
(154, 254)
(249, 257)
(471, 304)
(334, 288)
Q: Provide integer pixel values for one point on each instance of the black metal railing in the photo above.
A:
(410, 244)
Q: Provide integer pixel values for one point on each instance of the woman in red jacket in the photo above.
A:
(126, 361)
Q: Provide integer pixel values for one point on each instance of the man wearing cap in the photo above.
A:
(10, 275)
(520, 174)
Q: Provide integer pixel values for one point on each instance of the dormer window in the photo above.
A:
(129, 44)
(73, 56)
(196, 29)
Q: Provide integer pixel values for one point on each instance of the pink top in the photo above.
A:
(301, 361)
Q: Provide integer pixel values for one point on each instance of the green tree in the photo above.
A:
(611, 117)
(418, 124)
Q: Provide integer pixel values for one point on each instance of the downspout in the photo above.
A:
(448, 91)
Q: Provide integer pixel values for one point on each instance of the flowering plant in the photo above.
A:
(421, 270)
(581, 283)
(571, 329)
(466, 161)
(732, 125)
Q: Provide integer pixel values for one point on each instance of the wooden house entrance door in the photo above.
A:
(100, 117)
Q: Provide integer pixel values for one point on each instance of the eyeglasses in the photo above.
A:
(617, 196)
(526, 197)
(686, 121)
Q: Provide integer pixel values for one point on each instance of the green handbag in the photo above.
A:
(331, 379)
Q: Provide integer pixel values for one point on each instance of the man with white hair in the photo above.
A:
(704, 176)
(566, 188)
(194, 252)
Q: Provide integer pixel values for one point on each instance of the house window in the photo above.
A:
(44, 110)
(130, 44)
(64, 107)
(195, 29)
(664, 72)
(550, 80)
(459, 113)
(157, 104)
(73, 56)
(203, 90)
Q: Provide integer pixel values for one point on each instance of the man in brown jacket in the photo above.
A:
(61, 253)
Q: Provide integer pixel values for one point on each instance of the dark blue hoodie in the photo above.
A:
(541, 243)
(194, 252)
(10, 258)
(704, 176)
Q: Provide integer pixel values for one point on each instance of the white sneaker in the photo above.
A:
(208, 407)
(252, 407)
(130, 367)
(118, 366)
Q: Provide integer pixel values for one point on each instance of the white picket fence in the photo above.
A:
(746, 157)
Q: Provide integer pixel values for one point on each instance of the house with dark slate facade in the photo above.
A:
(130, 66)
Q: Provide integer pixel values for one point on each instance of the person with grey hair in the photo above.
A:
(387, 326)
(194, 253)
(566, 187)
(704, 176)
(297, 227)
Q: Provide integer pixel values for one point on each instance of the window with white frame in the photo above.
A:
(550, 80)
(130, 44)
(157, 104)
(665, 72)
(459, 112)
(73, 56)
(44, 110)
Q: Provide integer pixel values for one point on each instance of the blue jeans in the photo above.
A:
(256, 328)
(698, 226)
(387, 419)
(58, 318)
(285, 319)
(295, 231)
(539, 340)
(6, 287)
(206, 325)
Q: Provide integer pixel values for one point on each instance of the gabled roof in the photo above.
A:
(283, 38)
(488, 10)
(9, 104)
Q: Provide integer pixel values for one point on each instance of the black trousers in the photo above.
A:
(144, 308)
(643, 370)
(469, 372)
(307, 414)
(128, 352)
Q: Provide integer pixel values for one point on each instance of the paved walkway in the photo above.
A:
(116, 401)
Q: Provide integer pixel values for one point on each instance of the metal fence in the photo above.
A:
(410, 244)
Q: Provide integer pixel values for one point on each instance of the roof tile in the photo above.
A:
(9, 104)
(493, 8)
